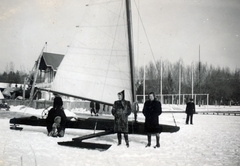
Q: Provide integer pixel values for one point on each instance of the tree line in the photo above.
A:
(222, 84)
(13, 77)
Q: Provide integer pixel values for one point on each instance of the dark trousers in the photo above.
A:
(189, 116)
(119, 136)
(97, 110)
(93, 111)
(135, 116)
(157, 139)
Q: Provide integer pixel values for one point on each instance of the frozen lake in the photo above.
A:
(212, 140)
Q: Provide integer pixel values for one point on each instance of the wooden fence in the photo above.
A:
(38, 104)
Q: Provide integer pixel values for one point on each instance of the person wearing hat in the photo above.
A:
(190, 110)
(151, 110)
(121, 110)
(56, 119)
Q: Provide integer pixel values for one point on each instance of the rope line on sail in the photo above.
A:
(121, 9)
(98, 26)
(107, 34)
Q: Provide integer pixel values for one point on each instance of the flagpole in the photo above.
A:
(161, 83)
(144, 79)
(179, 97)
(192, 78)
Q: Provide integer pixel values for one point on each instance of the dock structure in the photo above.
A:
(231, 113)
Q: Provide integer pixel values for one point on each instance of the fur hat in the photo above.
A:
(57, 103)
(122, 93)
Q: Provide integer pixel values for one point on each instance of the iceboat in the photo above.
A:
(99, 64)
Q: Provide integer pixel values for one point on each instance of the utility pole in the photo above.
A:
(144, 79)
(192, 78)
(24, 87)
(199, 77)
(179, 97)
(161, 83)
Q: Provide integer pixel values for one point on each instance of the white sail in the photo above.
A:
(97, 64)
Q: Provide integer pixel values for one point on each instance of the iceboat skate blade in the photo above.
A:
(86, 145)
(15, 127)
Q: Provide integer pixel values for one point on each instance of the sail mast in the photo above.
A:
(36, 72)
(130, 44)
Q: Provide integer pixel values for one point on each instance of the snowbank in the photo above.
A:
(37, 112)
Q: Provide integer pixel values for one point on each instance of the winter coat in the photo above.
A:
(91, 104)
(151, 111)
(54, 112)
(121, 110)
(97, 105)
(135, 107)
(190, 108)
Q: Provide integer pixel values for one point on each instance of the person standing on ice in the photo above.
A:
(56, 119)
(121, 110)
(151, 110)
(92, 108)
(190, 110)
(97, 106)
(135, 109)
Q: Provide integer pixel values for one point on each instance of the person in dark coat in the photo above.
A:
(56, 119)
(190, 110)
(135, 109)
(92, 108)
(151, 110)
(97, 107)
(121, 110)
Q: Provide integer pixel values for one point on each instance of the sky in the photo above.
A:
(171, 30)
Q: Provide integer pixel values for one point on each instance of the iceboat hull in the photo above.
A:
(94, 124)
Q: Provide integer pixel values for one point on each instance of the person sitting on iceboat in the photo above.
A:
(121, 110)
(151, 110)
(56, 119)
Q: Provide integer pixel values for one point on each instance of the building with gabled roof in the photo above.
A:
(48, 66)
(51, 61)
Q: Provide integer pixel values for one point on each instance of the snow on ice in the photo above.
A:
(212, 140)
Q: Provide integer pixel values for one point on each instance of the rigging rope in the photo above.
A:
(145, 32)
(174, 120)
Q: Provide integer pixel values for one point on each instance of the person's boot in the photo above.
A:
(149, 140)
(119, 136)
(126, 139)
(157, 141)
(61, 133)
